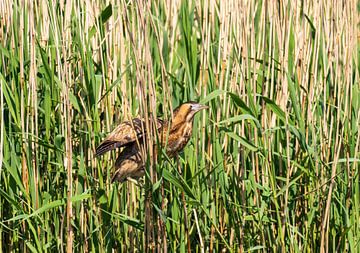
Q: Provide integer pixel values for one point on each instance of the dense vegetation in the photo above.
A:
(273, 165)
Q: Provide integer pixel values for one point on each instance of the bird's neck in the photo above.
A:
(175, 126)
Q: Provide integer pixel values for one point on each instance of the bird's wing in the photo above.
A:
(127, 132)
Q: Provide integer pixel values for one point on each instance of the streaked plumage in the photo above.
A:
(129, 135)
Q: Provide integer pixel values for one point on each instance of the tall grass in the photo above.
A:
(273, 165)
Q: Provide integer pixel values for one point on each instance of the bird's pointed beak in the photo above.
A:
(198, 107)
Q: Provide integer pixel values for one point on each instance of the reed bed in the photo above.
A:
(272, 166)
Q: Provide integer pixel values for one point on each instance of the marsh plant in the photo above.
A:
(271, 166)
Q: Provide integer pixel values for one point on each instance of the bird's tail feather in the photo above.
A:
(107, 146)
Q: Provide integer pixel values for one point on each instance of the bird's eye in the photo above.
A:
(194, 107)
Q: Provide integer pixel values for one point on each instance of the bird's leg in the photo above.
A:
(134, 181)
(141, 182)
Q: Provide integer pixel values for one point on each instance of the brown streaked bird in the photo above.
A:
(174, 135)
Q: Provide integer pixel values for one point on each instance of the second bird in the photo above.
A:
(174, 135)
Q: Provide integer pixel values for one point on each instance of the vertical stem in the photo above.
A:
(162, 224)
(24, 168)
(186, 222)
(1, 148)
(199, 232)
(68, 161)
(185, 211)
(33, 105)
(148, 220)
(67, 113)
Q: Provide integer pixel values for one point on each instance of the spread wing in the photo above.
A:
(124, 134)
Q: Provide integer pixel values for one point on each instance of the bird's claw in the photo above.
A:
(138, 182)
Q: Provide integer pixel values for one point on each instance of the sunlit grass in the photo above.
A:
(273, 165)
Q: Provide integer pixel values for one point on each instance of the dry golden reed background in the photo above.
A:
(272, 166)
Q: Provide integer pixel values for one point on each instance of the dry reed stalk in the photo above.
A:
(67, 83)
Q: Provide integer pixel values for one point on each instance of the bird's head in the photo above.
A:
(186, 111)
